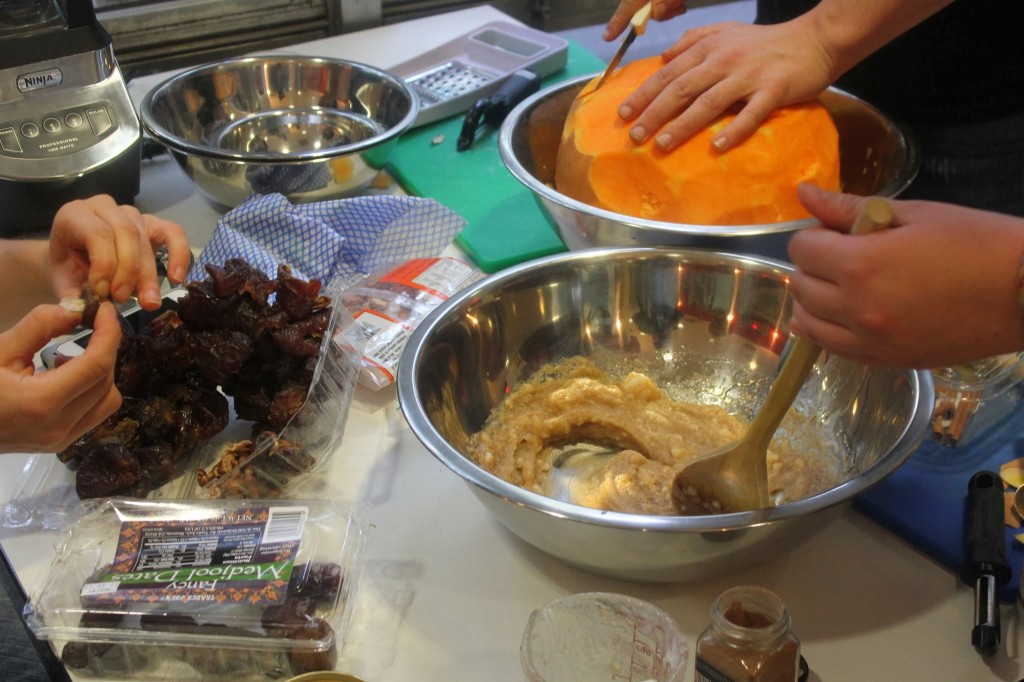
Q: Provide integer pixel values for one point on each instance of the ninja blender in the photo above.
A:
(68, 128)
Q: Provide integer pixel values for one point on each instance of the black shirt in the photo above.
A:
(963, 64)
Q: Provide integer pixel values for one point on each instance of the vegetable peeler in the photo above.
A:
(493, 110)
(985, 566)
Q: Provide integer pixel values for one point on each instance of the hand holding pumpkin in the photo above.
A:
(754, 183)
(940, 288)
(757, 68)
(713, 68)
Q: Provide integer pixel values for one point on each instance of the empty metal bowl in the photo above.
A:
(876, 157)
(307, 127)
(706, 326)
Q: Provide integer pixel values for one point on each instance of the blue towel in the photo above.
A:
(333, 241)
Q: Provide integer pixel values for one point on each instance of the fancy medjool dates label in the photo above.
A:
(389, 305)
(245, 556)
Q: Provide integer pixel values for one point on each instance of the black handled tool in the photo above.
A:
(493, 110)
(985, 566)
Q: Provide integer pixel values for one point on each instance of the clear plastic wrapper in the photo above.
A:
(390, 303)
(211, 590)
(974, 397)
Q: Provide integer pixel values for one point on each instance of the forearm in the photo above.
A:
(24, 278)
(850, 30)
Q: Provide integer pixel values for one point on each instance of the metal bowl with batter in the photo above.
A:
(707, 326)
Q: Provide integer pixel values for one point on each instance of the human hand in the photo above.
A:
(112, 248)
(662, 10)
(48, 411)
(939, 288)
(713, 69)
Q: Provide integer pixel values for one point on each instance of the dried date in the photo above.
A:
(319, 581)
(309, 660)
(293, 612)
(110, 469)
(102, 657)
(260, 467)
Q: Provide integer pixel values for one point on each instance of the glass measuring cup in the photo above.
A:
(602, 637)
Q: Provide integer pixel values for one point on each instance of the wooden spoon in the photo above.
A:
(735, 477)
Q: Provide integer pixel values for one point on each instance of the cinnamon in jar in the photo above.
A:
(748, 639)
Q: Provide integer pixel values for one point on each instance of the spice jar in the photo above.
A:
(748, 639)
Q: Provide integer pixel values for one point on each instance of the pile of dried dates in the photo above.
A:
(238, 333)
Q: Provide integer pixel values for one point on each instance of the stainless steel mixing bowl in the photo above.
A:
(876, 157)
(708, 327)
(307, 127)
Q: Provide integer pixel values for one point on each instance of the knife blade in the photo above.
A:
(637, 26)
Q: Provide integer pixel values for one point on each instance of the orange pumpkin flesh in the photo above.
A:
(753, 183)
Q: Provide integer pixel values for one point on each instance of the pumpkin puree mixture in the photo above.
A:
(575, 401)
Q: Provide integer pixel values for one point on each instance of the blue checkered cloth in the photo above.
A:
(333, 241)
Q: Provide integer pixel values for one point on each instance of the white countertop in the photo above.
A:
(447, 591)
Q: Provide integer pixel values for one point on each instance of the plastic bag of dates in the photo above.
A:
(390, 303)
(211, 590)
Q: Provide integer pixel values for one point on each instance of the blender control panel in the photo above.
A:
(57, 133)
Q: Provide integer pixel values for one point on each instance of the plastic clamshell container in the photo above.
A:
(211, 590)
(317, 427)
(973, 397)
(45, 494)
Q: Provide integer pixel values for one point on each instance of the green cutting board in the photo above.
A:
(504, 224)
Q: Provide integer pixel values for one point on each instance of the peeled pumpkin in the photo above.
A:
(752, 183)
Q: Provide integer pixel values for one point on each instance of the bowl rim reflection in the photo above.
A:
(411, 401)
(180, 144)
(515, 118)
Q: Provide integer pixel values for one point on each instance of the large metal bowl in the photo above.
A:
(708, 326)
(876, 157)
(307, 127)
